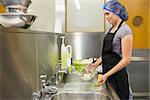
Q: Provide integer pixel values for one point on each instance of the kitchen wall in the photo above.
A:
(45, 10)
(89, 18)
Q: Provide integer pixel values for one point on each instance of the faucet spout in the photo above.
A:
(60, 71)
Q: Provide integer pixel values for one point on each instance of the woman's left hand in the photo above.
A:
(104, 78)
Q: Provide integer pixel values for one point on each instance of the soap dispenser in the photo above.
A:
(69, 55)
(63, 54)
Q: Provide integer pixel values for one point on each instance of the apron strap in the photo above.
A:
(119, 26)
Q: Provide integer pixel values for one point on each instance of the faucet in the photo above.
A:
(59, 71)
(45, 91)
(43, 78)
(63, 71)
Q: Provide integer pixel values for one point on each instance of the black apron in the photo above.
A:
(119, 80)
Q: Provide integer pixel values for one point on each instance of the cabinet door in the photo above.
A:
(85, 16)
(139, 21)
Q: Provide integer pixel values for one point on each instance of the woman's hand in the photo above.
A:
(103, 80)
(90, 68)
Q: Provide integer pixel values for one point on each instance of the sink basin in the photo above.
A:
(74, 88)
(82, 86)
(80, 96)
(76, 77)
(81, 91)
(71, 78)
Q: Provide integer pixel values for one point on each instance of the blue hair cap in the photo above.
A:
(117, 8)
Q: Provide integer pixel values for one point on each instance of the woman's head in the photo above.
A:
(113, 9)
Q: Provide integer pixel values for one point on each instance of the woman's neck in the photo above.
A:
(116, 24)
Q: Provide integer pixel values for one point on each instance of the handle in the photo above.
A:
(69, 49)
(43, 78)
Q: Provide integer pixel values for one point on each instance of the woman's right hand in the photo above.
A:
(90, 68)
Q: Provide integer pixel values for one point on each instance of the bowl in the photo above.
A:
(17, 20)
(16, 9)
(81, 64)
(24, 3)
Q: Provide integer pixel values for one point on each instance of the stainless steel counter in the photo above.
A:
(139, 73)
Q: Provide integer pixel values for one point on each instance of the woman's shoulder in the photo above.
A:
(126, 28)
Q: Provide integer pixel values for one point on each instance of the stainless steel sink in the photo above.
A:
(80, 96)
(75, 77)
(74, 88)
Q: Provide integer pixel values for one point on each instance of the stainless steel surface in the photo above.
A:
(65, 74)
(46, 89)
(25, 56)
(139, 73)
(80, 96)
(59, 71)
(24, 3)
(17, 20)
(82, 90)
(76, 77)
(45, 92)
(85, 44)
(16, 9)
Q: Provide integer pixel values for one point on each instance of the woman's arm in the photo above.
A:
(93, 66)
(126, 45)
(98, 61)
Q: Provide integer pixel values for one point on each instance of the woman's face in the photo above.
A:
(111, 17)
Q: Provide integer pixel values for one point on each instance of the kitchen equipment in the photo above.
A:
(17, 20)
(81, 64)
(16, 9)
(24, 3)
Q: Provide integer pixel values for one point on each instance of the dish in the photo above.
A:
(17, 20)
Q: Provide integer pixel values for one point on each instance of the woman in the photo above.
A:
(117, 50)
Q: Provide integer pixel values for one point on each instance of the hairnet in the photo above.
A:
(118, 9)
